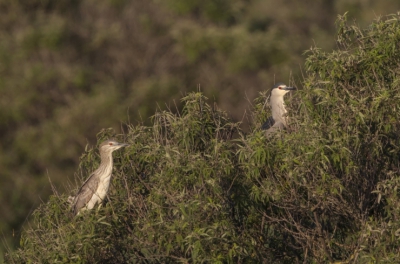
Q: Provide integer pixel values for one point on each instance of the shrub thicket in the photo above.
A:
(329, 188)
(325, 190)
(65, 64)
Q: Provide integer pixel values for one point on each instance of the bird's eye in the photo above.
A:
(110, 144)
(280, 87)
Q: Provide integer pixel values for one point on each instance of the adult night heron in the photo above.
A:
(278, 120)
(95, 188)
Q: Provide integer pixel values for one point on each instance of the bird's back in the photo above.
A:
(269, 123)
(85, 193)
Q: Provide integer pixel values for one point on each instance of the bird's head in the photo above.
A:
(280, 89)
(111, 145)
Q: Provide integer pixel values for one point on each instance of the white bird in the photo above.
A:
(278, 120)
(95, 188)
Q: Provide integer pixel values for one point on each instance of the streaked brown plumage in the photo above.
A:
(95, 188)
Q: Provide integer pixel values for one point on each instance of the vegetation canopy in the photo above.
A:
(185, 191)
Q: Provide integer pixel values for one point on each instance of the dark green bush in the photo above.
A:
(70, 68)
(186, 190)
(327, 188)
(169, 200)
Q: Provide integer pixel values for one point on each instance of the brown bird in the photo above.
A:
(95, 188)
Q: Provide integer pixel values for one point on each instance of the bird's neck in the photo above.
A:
(106, 164)
(278, 107)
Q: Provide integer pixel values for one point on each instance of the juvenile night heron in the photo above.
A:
(95, 188)
(278, 120)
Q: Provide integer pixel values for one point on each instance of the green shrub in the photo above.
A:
(193, 188)
(169, 199)
(329, 187)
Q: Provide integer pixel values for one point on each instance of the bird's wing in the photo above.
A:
(85, 193)
(277, 126)
(269, 123)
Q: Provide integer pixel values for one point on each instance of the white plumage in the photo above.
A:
(278, 120)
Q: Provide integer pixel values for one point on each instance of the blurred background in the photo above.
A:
(70, 68)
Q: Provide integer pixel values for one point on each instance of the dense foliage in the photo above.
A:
(186, 190)
(169, 200)
(70, 68)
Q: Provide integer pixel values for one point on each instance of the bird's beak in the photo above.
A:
(121, 145)
(289, 88)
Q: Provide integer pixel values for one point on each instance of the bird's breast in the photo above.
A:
(103, 187)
